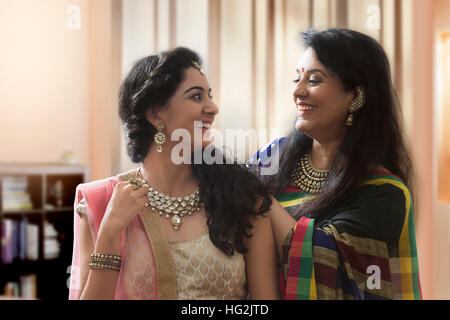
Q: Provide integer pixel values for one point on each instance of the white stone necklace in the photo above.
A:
(176, 207)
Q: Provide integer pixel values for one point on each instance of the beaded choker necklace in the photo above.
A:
(308, 178)
(176, 206)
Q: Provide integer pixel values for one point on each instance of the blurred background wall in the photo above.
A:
(61, 63)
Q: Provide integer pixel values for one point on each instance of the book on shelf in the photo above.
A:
(28, 286)
(7, 240)
(20, 240)
(15, 195)
(32, 242)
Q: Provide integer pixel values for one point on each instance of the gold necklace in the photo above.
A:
(176, 206)
(308, 178)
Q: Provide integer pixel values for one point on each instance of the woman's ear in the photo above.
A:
(352, 95)
(355, 93)
(153, 117)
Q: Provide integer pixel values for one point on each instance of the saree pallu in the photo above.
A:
(147, 270)
(364, 249)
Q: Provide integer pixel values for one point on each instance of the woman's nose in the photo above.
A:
(211, 107)
(299, 90)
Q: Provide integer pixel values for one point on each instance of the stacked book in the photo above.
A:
(20, 240)
(15, 195)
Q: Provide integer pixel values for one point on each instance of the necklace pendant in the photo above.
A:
(176, 221)
(166, 206)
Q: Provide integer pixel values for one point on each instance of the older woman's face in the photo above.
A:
(321, 101)
(192, 102)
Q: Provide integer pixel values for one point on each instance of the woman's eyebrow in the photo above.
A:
(193, 88)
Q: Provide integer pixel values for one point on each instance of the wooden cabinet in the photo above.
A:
(36, 225)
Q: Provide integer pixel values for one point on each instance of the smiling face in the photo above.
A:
(321, 100)
(191, 102)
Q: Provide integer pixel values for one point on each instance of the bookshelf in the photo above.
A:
(36, 228)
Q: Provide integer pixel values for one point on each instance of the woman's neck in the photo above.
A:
(322, 153)
(162, 174)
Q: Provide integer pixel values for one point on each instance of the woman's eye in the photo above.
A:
(196, 96)
(311, 81)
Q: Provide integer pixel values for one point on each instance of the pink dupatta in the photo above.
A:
(147, 270)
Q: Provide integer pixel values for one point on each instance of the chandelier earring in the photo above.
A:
(356, 104)
(159, 137)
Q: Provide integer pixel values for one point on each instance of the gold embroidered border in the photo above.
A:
(167, 282)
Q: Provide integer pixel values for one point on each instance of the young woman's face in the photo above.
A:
(192, 102)
(321, 100)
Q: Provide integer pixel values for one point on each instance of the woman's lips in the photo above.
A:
(203, 125)
(206, 129)
(206, 126)
(304, 109)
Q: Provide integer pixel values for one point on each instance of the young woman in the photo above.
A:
(166, 230)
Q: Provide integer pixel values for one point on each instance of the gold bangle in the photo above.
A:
(101, 257)
(104, 266)
(104, 255)
(106, 259)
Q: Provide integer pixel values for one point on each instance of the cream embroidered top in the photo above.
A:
(203, 271)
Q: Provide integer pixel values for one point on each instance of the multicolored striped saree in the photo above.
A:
(366, 249)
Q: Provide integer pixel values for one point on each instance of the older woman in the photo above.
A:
(345, 178)
(169, 230)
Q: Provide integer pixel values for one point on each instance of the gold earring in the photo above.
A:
(159, 137)
(356, 104)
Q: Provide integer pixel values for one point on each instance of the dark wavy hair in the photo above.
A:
(230, 192)
(376, 137)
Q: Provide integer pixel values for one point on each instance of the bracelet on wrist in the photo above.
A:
(105, 261)
(103, 266)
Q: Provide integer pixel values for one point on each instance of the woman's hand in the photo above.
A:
(124, 206)
(282, 223)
